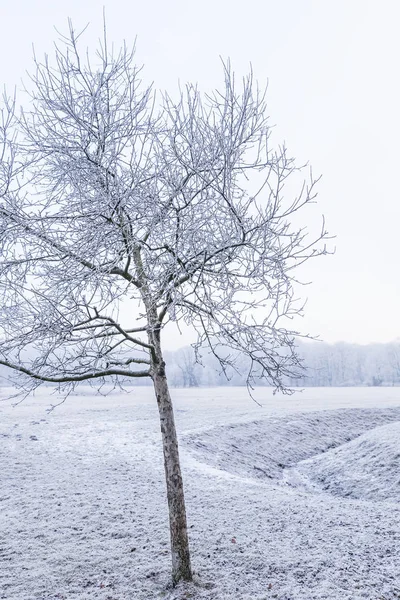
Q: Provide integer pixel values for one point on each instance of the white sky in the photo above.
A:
(334, 94)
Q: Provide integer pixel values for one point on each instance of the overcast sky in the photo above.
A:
(334, 95)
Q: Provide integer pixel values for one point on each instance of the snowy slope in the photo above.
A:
(366, 468)
(262, 449)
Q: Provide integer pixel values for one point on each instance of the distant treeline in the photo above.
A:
(339, 364)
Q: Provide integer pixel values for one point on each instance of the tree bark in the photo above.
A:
(181, 568)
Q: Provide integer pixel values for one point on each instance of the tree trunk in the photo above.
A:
(181, 568)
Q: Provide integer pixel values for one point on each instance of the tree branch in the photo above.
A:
(76, 378)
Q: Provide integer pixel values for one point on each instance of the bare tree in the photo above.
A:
(186, 361)
(394, 361)
(173, 207)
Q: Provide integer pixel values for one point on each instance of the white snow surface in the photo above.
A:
(295, 500)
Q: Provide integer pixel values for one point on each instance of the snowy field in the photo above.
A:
(296, 500)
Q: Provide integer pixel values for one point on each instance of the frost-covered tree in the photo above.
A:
(394, 361)
(186, 362)
(174, 208)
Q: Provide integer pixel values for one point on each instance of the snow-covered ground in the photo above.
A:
(296, 500)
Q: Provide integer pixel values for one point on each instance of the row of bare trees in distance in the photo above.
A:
(334, 365)
(326, 365)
